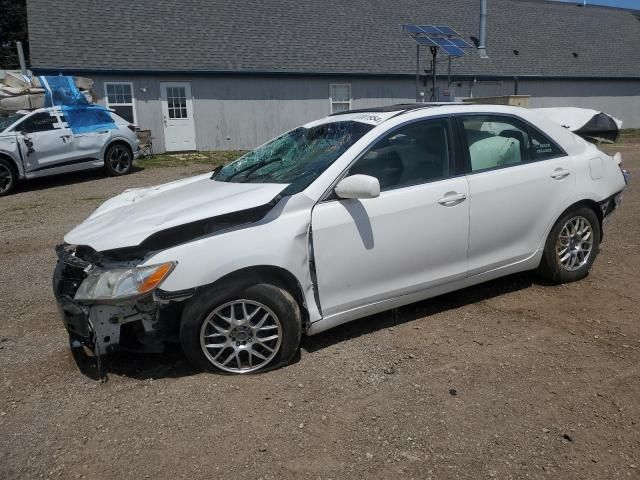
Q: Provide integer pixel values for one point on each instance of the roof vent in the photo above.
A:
(575, 55)
(516, 52)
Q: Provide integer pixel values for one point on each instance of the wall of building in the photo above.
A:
(242, 112)
(620, 98)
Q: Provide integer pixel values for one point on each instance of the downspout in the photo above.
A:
(482, 48)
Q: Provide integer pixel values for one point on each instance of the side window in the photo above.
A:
(119, 98)
(413, 154)
(40, 122)
(340, 97)
(495, 141)
(542, 147)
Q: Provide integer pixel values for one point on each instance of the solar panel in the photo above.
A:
(443, 42)
(453, 51)
(441, 36)
(460, 43)
(426, 41)
(412, 29)
(447, 30)
(430, 29)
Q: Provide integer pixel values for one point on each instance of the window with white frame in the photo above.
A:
(340, 96)
(120, 99)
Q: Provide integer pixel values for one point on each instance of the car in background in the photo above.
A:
(40, 143)
(339, 219)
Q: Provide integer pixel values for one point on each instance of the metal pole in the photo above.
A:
(417, 73)
(482, 48)
(23, 64)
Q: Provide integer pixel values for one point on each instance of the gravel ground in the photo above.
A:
(511, 379)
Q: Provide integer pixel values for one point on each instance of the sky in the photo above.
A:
(611, 3)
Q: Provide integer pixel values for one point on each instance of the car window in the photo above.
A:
(412, 154)
(542, 147)
(40, 122)
(495, 141)
(9, 120)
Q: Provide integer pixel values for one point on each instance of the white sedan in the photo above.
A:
(354, 214)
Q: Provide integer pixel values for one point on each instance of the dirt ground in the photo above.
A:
(512, 379)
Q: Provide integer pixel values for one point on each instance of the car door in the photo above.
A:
(517, 177)
(412, 237)
(45, 142)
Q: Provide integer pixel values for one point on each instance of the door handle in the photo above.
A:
(560, 173)
(452, 198)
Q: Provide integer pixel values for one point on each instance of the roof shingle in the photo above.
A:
(332, 36)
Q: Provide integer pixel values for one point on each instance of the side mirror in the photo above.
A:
(358, 186)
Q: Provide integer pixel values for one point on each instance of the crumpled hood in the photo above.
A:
(134, 215)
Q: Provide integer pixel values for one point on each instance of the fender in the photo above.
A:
(10, 149)
(205, 260)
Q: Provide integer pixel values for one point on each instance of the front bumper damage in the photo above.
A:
(142, 324)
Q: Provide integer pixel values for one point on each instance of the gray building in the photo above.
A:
(218, 74)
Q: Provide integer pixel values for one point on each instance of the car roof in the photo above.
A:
(399, 108)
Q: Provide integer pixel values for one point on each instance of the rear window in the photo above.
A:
(497, 141)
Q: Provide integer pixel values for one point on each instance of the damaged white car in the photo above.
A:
(344, 217)
(40, 143)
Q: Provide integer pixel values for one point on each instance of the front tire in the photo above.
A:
(572, 246)
(118, 159)
(241, 329)
(8, 177)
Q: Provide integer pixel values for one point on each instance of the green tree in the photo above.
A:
(13, 28)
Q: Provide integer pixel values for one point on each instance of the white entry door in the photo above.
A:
(177, 115)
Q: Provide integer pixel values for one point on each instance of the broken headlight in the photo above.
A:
(122, 282)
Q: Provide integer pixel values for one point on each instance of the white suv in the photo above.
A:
(344, 217)
(40, 143)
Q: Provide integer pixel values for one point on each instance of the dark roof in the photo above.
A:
(329, 36)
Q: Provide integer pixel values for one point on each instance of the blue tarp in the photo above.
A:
(81, 116)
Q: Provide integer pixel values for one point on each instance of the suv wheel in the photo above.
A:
(241, 330)
(572, 246)
(118, 160)
(8, 177)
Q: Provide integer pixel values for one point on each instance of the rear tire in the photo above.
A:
(118, 159)
(8, 177)
(572, 246)
(240, 329)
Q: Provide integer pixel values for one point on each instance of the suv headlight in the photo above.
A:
(123, 282)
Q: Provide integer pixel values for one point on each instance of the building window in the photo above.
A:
(340, 96)
(119, 97)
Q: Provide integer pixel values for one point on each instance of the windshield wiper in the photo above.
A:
(253, 168)
(216, 171)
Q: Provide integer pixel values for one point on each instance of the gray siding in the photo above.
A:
(620, 98)
(242, 112)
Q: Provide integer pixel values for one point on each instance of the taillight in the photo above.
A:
(131, 127)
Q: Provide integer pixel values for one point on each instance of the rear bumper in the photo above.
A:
(610, 205)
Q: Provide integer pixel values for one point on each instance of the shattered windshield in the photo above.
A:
(297, 157)
(9, 120)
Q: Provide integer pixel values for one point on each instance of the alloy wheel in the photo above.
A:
(574, 243)
(241, 336)
(119, 159)
(6, 178)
